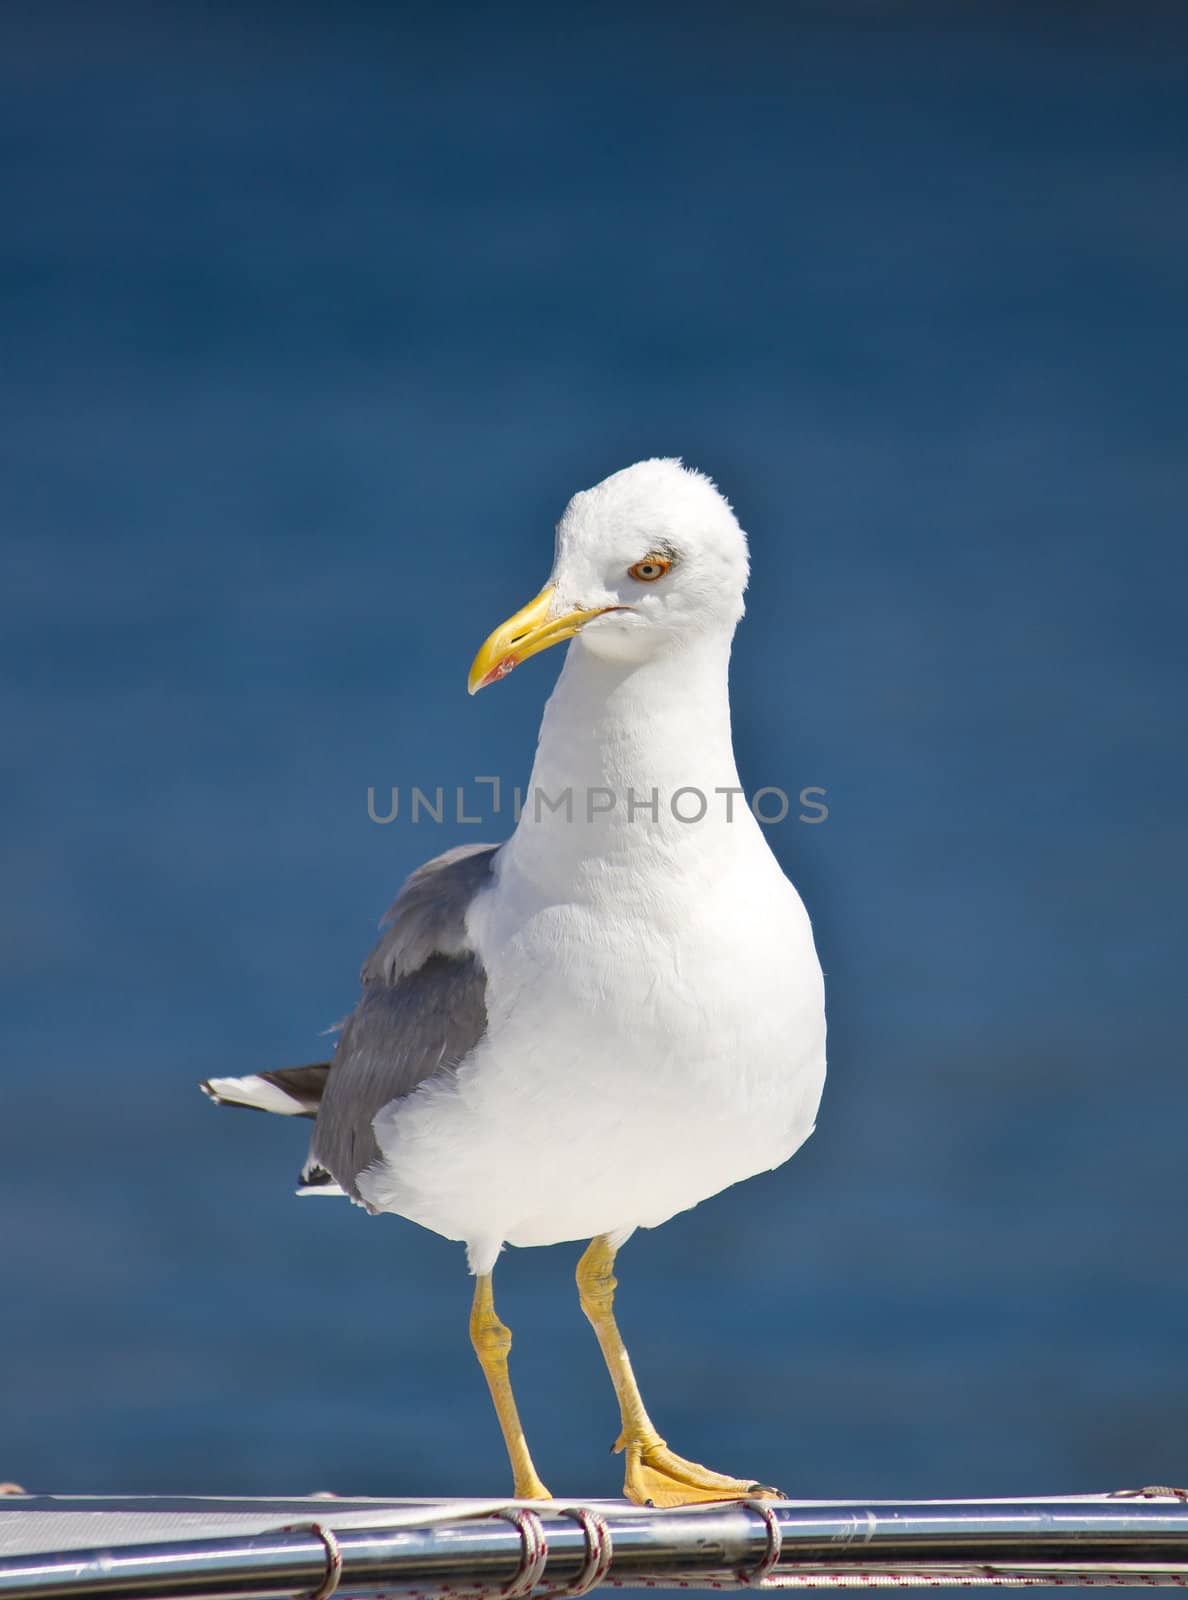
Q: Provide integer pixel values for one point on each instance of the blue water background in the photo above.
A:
(314, 317)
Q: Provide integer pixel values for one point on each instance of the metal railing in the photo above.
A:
(1139, 1539)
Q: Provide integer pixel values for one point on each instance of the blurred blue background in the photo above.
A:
(315, 316)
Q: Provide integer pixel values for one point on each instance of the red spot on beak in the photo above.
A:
(500, 670)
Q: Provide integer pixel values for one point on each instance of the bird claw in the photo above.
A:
(656, 1476)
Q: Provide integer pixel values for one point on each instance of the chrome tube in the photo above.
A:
(1120, 1541)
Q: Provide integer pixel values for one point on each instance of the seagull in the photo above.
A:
(617, 1013)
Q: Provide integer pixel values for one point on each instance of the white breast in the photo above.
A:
(655, 1029)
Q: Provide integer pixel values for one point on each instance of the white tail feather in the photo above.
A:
(259, 1094)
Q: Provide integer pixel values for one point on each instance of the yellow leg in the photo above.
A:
(492, 1341)
(655, 1474)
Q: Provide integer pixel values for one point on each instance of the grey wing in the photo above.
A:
(422, 1009)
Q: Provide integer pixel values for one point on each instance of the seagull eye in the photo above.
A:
(648, 570)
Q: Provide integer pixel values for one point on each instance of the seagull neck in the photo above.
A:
(628, 729)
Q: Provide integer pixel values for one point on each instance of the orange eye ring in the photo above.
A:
(649, 569)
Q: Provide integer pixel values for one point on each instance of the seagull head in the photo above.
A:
(646, 561)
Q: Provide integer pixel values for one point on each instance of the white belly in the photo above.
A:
(633, 1066)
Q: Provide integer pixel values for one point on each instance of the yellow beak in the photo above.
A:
(523, 635)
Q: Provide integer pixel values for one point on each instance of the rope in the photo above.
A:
(333, 1561)
(534, 1552)
(760, 1577)
(600, 1551)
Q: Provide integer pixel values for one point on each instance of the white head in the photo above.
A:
(649, 559)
